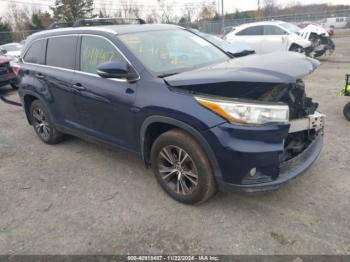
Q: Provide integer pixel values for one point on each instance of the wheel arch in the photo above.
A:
(28, 99)
(166, 123)
(293, 44)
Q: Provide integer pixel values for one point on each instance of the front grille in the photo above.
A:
(296, 143)
(4, 69)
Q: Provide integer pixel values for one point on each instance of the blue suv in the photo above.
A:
(199, 118)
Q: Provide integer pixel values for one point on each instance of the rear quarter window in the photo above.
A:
(61, 51)
(36, 53)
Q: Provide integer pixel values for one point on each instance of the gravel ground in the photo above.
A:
(80, 198)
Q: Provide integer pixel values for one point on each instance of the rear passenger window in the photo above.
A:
(273, 30)
(61, 52)
(35, 53)
(254, 30)
(95, 51)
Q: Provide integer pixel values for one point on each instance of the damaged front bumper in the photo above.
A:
(259, 158)
(287, 170)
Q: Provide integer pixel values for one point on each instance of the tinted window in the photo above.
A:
(273, 30)
(96, 51)
(61, 52)
(254, 30)
(35, 53)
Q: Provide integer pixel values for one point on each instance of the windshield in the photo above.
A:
(172, 51)
(291, 28)
(214, 40)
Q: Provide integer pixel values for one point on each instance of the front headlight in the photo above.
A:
(247, 113)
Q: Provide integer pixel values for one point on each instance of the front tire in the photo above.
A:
(182, 168)
(346, 111)
(43, 125)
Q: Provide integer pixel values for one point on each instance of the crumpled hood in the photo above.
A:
(278, 67)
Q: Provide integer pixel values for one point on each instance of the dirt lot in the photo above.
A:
(80, 198)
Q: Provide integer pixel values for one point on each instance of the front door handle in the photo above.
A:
(79, 87)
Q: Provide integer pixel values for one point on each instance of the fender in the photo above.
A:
(26, 92)
(196, 134)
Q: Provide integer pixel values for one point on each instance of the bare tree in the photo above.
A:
(19, 18)
(208, 11)
(153, 16)
(129, 9)
(167, 12)
(270, 7)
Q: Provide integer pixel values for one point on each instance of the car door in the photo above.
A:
(274, 39)
(104, 105)
(56, 77)
(253, 36)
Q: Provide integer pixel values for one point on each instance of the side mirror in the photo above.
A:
(117, 70)
(3, 51)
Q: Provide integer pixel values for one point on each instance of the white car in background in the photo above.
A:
(270, 36)
(13, 49)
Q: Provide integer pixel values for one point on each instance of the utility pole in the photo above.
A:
(223, 15)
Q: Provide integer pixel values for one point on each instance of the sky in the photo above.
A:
(229, 5)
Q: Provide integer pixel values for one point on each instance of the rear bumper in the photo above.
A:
(287, 170)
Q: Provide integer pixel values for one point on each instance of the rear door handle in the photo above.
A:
(39, 75)
(79, 87)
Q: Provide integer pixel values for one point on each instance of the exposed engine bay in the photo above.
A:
(291, 94)
(271, 78)
(320, 39)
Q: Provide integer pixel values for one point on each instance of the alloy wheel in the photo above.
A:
(178, 170)
(40, 123)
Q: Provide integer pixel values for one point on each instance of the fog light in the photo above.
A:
(252, 172)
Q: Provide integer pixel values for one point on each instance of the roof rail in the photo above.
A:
(106, 21)
(97, 22)
(59, 25)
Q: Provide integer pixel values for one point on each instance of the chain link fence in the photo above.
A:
(216, 27)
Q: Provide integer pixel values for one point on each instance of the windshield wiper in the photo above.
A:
(167, 74)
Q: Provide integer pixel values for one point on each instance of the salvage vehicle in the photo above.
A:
(270, 36)
(201, 120)
(320, 39)
(8, 73)
(235, 49)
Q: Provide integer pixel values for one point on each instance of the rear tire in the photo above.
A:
(346, 111)
(182, 168)
(43, 125)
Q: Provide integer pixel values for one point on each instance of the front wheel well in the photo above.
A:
(153, 131)
(28, 100)
(295, 47)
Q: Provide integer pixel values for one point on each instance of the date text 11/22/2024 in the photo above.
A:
(173, 258)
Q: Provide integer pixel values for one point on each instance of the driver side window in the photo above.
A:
(95, 51)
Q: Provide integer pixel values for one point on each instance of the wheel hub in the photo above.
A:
(178, 170)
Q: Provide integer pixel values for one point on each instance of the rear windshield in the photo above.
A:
(291, 28)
